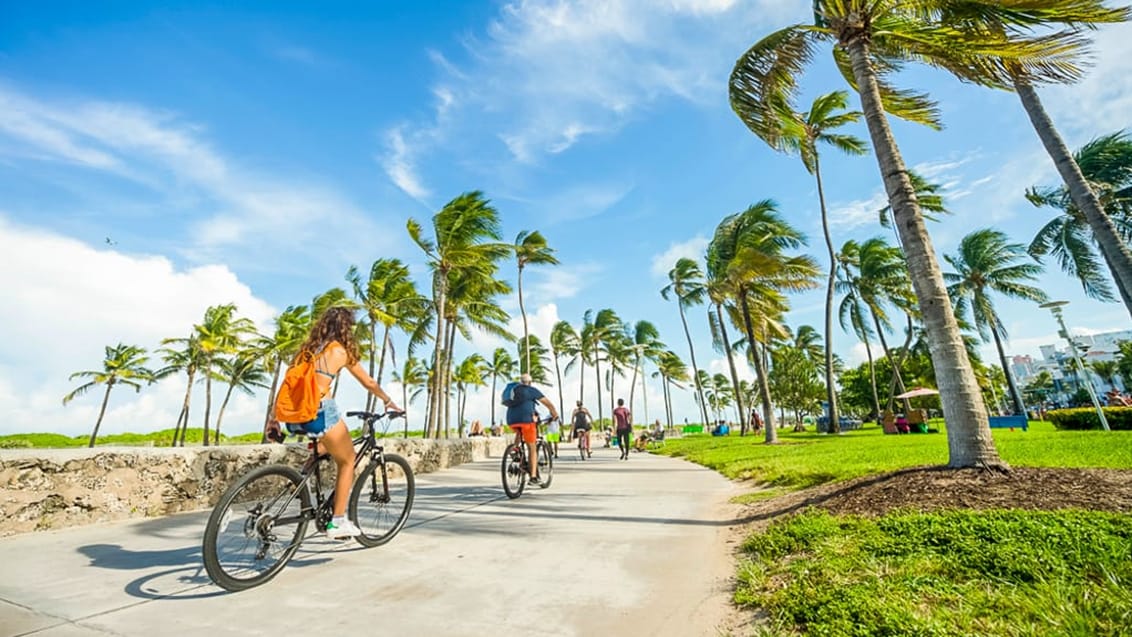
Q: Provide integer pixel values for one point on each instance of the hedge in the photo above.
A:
(1119, 418)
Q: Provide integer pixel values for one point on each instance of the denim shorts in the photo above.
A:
(328, 416)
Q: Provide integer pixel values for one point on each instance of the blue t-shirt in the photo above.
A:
(525, 408)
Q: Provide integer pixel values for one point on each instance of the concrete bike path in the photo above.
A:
(621, 548)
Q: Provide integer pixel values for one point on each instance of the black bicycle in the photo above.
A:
(516, 465)
(261, 520)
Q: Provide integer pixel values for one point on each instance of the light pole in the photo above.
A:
(1055, 308)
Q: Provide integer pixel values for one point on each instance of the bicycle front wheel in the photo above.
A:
(382, 498)
(514, 470)
(545, 464)
(256, 527)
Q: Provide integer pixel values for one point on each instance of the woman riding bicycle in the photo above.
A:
(331, 343)
(583, 423)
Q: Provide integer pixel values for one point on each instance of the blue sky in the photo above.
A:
(159, 158)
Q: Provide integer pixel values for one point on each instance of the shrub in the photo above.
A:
(1119, 418)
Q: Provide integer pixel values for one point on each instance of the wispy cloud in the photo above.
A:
(693, 248)
(562, 281)
(861, 212)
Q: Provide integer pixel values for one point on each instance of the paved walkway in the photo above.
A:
(612, 548)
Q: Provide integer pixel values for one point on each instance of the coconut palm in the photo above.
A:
(122, 365)
(564, 341)
(1106, 162)
(291, 328)
(530, 249)
(672, 371)
(1107, 371)
(533, 350)
(801, 133)
(871, 40)
(853, 313)
(220, 333)
(501, 365)
(985, 19)
(465, 237)
(686, 285)
(618, 353)
(243, 372)
(719, 291)
(470, 373)
(390, 299)
(646, 346)
(413, 377)
(987, 262)
(597, 330)
(189, 358)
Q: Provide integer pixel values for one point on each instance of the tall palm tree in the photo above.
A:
(243, 372)
(219, 334)
(605, 325)
(501, 365)
(721, 294)
(533, 350)
(871, 40)
(189, 358)
(291, 329)
(802, 133)
(672, 372)
(530, 249)
(646, 346)
(413, 376)
(466, 237)
(469, 373)
(564, 341)
(686, 285)
(122, 365)
(390, 299)
(987, 262)
(1106, 162)
(617, 348)
(882, 281)
(984, 19)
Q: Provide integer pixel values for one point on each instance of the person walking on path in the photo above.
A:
(624, 421)
(522, 416)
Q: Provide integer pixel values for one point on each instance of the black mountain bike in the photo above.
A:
(516, 465)
(261, 520)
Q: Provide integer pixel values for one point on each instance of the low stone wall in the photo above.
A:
(44, 489)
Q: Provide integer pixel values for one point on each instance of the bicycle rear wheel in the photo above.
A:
(514, 470)
(545, 464)
(381, 499)
(256, 527)
(582, 446)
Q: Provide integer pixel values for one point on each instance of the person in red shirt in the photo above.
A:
(624, 422)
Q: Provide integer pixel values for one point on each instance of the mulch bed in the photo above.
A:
(934, 488)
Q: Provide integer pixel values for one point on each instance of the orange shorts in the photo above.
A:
(528, 429)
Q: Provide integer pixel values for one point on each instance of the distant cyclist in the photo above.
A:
(522, 416)
(583, 423)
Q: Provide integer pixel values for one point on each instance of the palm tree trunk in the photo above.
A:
(207, 398)
(597, 373)
(760, 371)
(270, 401)
(581, 376)
(1116, 252)
(1015, 395)
(830, 388)
(561, 399)
(731, 365)
(220, 414)
(633, 382)
(494, 378)
(448, 361)
(372, 401)
(405, 405)
(1125, 293)
(873, 379)
(695, 368)
(434, 398)
(526, 332)
(101, 413)
(968, 433)
(183, 425)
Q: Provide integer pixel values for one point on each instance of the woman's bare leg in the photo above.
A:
(340, 446)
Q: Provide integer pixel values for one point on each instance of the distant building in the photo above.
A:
(1058, 360)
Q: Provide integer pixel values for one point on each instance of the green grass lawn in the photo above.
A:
(959, 572)
(807, 459)
(163, 438)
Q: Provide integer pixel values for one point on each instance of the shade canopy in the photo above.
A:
(919, 391)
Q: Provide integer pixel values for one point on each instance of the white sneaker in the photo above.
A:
(344, 530)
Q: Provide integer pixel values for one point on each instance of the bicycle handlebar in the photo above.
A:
(368, 415)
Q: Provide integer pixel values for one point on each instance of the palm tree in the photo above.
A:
(1106, 370)
(672, 372)
(882, 280)
(603, 327)
(718, 293)
(189, 359)
(390, 299)
(466, 238)
(564, 341)
(853, 311)
(530, 249)
(243, 372)
(469, 373)
(291, 328)
(219, 334)
(1106, 162)
(122, 365)
(501, 365)
(413, 376)
(801, 133)
(533, 350)
(871, 41)
(984, 19)
(686, 285)
(987, 262)
(646, 345)
(1124, 362)
(619, 354)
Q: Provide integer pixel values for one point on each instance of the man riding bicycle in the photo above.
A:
(583, 423)
(522, 416)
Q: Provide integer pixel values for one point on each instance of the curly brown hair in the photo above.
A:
(335, 324)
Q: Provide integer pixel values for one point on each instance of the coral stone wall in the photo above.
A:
(54, 488)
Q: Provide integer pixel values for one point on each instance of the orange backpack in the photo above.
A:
(299, 397)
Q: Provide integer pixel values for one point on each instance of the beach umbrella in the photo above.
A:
(919, 391)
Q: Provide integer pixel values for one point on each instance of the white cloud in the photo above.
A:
(693, 249)
(1099, 104)
(562, 281)
(398, 164)
(66, 300)
(862, 212)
